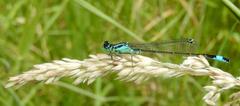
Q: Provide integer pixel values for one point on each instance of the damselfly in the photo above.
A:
(171, 47)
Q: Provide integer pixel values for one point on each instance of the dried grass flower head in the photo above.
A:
(137, 69)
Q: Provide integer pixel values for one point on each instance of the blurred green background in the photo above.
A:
(38, 31)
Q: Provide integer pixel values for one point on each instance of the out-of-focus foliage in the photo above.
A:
(37, 31)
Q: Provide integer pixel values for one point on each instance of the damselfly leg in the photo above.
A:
(112, 55)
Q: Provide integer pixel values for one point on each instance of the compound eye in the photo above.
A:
(106, 44)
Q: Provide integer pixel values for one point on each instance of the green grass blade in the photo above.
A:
(15, 97)
(233, 8)
(51, 21)
(99, 13)
(31, 94)
(171, 24)
(98, 91)
(79, 91)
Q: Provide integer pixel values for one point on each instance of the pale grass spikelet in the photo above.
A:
(128, 68)
(234, 99)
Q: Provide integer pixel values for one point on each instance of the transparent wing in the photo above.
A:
(181, 45)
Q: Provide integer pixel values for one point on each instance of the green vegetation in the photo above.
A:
(37, 31)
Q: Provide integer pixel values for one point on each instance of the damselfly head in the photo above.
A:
(106, 44)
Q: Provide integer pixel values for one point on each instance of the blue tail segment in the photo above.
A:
(217, 57)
